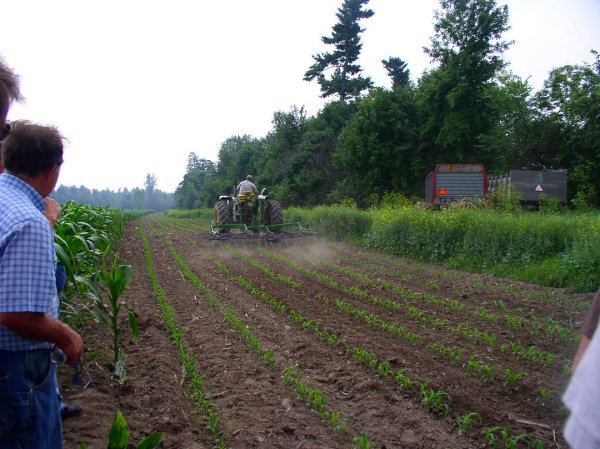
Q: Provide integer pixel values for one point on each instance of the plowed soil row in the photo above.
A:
(256, 408)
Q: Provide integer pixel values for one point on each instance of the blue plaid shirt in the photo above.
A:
(27, 259)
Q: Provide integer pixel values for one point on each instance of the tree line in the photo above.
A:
(369, 140)
(148, 198)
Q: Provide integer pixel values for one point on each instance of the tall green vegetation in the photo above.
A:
(559, 250)
(346, 80)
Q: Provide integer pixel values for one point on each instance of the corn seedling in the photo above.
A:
(118, 436)
(500, 437)
(451, 353)
(362, 441)
(512, 379)
(314, 398)
(433, 400)
(405, 382)
(542, 396)
(465, 422)
(514, 322)
(384, 369)
(499, 304)
(485, 315)
(484, 371)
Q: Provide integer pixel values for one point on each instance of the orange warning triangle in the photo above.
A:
(442, 191)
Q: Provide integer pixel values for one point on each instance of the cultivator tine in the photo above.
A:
(264, 235)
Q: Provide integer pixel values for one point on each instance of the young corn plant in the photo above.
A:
(108, 285)
(433, 401)
(484, 371)
(118, 437)
(500, 437)
(512, 379)
(362, 441)
(403, 381)
(465, 422)
(542, 396)
(514, 322)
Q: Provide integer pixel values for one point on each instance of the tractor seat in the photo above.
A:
(248, 195)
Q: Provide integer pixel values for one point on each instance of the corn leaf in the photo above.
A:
(118, 437)
(151, 441)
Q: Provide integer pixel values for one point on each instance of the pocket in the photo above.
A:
(7, 419)
(43, 374)
(15, 404)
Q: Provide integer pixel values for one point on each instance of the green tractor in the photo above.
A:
(256, 216)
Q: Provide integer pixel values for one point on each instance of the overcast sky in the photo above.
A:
(136, 85)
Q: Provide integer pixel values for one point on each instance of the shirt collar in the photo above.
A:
(12, 181)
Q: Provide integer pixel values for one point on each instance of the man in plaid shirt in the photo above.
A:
(29, 328)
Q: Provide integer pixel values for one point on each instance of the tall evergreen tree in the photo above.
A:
(346, 80)
(398, 71)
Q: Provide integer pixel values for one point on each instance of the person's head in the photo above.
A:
(9, 90)
(249, 178)
(34, 153)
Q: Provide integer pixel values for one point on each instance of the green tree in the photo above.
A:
(188, 194)
(194, 161)
(309, 177)
(346, 80)
(149, 188)
(398, 71)
(282, 145)
(238, 157)
(455, 98)
(377, 148)
(150, 183)
(569, 106)
(515, 113)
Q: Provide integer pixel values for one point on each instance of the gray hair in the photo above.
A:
(9, 88)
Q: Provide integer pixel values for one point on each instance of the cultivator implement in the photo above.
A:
(259, 233)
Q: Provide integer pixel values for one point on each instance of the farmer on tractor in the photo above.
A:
(246, 190)
(246, 186)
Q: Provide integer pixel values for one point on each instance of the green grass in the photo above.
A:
(194, 213)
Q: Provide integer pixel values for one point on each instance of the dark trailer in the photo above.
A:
(451, 182)
(533, 184)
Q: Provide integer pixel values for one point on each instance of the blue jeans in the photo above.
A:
(29, 411)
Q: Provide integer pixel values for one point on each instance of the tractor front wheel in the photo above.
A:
(222, 216)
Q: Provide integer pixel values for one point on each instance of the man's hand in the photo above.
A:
(72, 345)
(42, 327)
(52, 211)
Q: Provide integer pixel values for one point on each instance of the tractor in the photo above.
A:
(257, 216)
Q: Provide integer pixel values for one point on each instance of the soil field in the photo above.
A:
(313, 344)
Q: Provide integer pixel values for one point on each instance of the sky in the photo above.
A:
(136, 85)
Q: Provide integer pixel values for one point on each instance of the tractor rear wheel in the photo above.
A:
(222, 215)
(273, 212)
